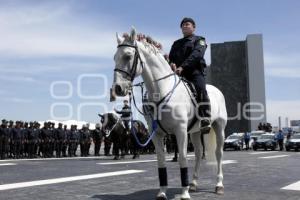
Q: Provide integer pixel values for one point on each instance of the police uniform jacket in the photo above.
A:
(188, 53)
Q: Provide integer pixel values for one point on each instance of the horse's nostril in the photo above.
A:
(118, 89)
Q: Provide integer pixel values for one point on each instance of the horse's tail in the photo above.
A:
(210, 147)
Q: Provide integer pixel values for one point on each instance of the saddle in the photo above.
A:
(195, 98)
(194, 95)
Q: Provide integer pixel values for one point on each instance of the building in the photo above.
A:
(237, 69)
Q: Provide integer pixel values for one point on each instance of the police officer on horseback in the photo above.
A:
(187, 60)
(125, 114)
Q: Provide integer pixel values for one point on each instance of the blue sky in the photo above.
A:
(46, 41)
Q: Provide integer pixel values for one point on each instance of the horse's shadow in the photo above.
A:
(145, 194)
(138, 195)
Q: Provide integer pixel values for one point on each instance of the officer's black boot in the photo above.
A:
(205, 113)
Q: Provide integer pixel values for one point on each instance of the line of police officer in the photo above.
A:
(28, 140)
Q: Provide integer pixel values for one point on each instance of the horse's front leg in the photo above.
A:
(182, 141)
(158, 141)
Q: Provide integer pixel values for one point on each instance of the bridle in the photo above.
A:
(137, 57)
(111, 129)
(130, 77)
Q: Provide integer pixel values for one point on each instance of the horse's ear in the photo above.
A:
(133, 34)
(119, 39)
(100, 115)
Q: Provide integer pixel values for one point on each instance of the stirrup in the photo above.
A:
(205, 126)
(205, 123)
(205, 130)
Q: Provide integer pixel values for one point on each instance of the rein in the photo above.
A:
(107, 135)
(130, 76)
(155, 122)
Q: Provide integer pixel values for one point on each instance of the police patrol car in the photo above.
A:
(293, 143)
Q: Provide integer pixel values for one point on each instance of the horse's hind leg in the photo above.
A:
(158, 141)
(196, 140)
(219, 130)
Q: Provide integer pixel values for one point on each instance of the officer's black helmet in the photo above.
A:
(187, 19)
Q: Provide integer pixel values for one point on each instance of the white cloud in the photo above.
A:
(65, 65)
(280, 60)
(57, 42)
(289, 109)
(52, 30)
(18, 100)
(32, 14)
(17, 78)
(286, 72)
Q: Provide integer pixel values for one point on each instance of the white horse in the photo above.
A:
(139, 57)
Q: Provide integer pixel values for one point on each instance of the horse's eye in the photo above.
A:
(127, 57)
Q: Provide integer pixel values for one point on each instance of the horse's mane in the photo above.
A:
(151, 45)
(147, 41)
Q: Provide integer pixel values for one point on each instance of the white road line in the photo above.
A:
(270, 157)
(224, 162)
(128, 162)
(168, 158)
(66, 179)
(145, 161)
(264, 152)
(294, 186)
(68, 158)
(7, 164)
(190, 155)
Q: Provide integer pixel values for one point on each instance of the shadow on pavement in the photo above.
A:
(149, 194)
(138, 195)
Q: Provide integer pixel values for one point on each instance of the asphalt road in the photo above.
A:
(247, 175)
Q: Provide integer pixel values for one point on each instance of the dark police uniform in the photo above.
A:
(46, 137)
(4, 140)
(65, 143)
(84, 140)
(125, 115)
(188, 53)
(17, 137)
(73, 136)
(97, 135)
(60, 137)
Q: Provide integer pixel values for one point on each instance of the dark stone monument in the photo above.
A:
(236, 69)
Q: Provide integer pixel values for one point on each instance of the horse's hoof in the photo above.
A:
(116, 158)
(193, 188)
(162, 197)
(185, 195)
(220, 190)
(185, 198)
